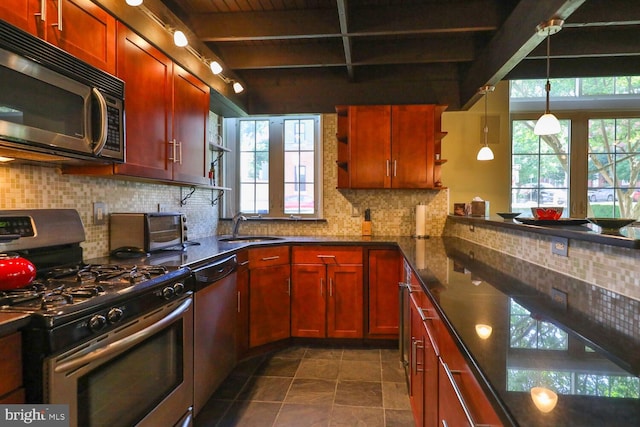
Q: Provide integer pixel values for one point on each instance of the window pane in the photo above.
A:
(254, 166)
(299, 161)
(296, 202)
(614, 167)
(540, 168)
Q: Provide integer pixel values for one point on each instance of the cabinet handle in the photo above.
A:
(395, 168)
(173, 150)
(43, 10)
(388, 161)
(444, 423)
(414, 355)
(243, 263)
(424, 315)
(458, 393)
(270, 258)
(180, 152)
(238, 301)
(59, 23)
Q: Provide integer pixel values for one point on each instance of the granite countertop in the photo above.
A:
(588, 351)
(570, 228)
(12, 322)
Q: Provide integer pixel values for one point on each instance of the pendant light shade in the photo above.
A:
(548, 124)
(134, 2)
(485, 152)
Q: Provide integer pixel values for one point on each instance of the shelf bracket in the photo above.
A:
(183, 200)
(214, 198)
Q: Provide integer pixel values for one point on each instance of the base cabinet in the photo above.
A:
(269, 295)
(385, 272)
(444, 392)
(11, 389)
(327, 292)
(242, 318)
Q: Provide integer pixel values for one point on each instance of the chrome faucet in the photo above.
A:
(235, 223)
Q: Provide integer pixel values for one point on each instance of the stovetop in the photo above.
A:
(64, 289)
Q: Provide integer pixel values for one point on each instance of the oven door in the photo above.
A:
(138, 374)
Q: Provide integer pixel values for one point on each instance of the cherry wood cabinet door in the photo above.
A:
(308, 300)
(23, 14)
(370, 142)
(269, 304)
(11, 367)
(385, 272)
(83, 29)
(345, 301)
(416, 363)
(190, 116)
(412, 148)
(242, 319)
(148, 76)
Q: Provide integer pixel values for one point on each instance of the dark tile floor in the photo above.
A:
(311, 386)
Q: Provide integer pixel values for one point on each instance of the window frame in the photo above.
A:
(578, 112)
(231, 165)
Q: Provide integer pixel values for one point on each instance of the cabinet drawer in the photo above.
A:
(266, 257)
(10, 363)
(326, 255)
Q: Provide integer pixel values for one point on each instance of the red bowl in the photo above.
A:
(547, 213)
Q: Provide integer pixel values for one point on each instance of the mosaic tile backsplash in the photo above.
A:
(613, 268)
(393, 211)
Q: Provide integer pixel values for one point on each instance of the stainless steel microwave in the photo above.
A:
(146, 231)
(53, 103)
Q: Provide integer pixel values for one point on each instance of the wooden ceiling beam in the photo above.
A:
(314, 54)
(512, 43)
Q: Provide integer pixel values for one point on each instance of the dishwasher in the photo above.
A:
(215, 307)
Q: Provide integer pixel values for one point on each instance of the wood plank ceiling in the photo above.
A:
(295, 56)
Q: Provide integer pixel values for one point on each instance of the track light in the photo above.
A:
(216, 68)
(179, 39)
(548, 124)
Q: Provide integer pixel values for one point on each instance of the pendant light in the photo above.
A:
(548, 124)
(485, 152)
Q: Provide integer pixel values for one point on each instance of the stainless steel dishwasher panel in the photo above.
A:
(214, 327)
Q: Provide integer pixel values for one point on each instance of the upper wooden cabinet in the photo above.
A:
(167, 110)
(79, 27)
(389, 146)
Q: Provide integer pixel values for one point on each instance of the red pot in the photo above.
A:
(15, 272)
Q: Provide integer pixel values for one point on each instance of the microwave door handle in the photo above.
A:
(125, 343)
(102, 140)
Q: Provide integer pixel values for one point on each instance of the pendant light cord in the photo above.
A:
(486, 127)
(548, 85)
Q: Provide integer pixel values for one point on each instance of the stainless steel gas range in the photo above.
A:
(114, 342)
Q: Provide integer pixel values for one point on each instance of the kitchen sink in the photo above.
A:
(248, 239)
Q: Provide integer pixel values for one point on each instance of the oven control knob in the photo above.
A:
(168, 292)
(97, 322)
(115, 315)
(178, 288)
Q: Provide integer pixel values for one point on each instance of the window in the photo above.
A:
(277, 160)
(593, 167)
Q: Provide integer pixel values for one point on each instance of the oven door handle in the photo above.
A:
(125, 343)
